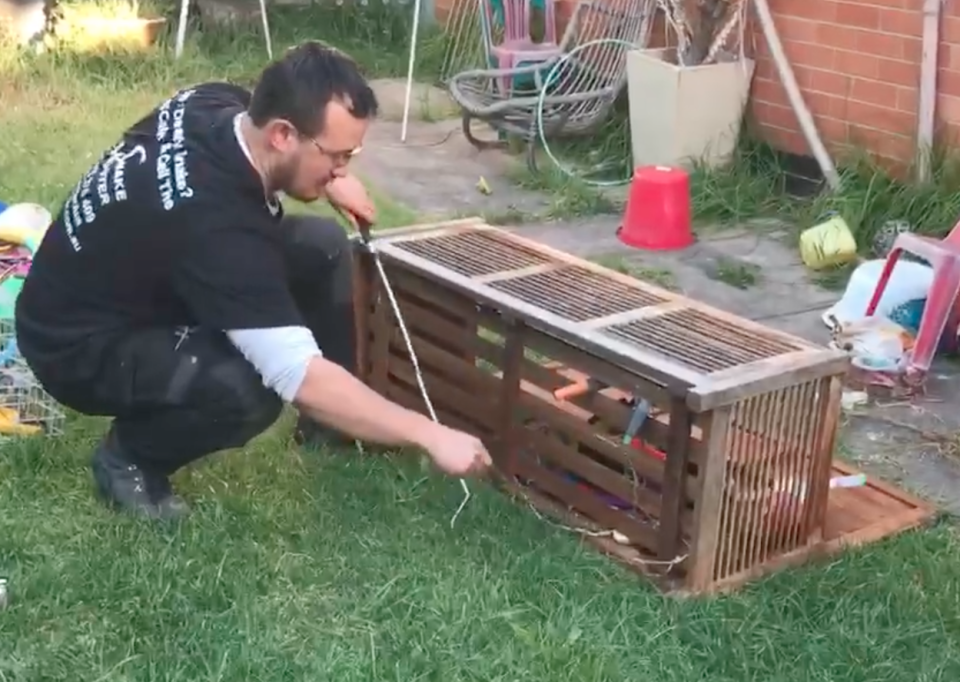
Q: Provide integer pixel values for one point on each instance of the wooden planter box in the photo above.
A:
(93, 33)
(680, 115)
(729, 476)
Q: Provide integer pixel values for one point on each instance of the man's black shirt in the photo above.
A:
(171, 227)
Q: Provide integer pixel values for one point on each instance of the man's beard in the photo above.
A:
(283, 181)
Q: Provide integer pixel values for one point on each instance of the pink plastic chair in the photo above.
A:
(941, 312)
(517, 47)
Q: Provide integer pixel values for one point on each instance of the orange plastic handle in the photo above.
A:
(572, 390)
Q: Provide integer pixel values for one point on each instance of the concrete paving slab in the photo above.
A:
(436, 172)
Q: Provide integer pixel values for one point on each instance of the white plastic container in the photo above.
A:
(909, 281)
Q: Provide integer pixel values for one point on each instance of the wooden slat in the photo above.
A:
(645, 466)
(709, 503)
(424, 230)
(675, 478)
(764, 376)
(380, 325)
(643, 495)
(827, 430)
(444, 391)
(408, 396)
(362, 288)
(510, 397)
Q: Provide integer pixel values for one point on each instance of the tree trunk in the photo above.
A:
(706, 21)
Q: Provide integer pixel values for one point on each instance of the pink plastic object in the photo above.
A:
(518, 47)
(16, 262)
(941, 312)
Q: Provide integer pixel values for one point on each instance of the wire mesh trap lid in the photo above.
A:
(659, 334)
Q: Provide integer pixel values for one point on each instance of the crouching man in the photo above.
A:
(172, 293)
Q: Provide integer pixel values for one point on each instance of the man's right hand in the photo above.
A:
(333, 396)
(455, 452)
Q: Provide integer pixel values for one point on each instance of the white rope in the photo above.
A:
(416, 364)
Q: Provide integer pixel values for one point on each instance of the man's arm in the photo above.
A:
(291, 364)
(234, 279)
(333, 396)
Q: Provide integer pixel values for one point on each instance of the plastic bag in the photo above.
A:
(908, 282)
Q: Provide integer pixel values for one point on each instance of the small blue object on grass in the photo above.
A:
(3, 207)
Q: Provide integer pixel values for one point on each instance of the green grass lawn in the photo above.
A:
(330, 566)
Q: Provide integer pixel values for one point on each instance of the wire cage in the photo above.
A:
(25, 408)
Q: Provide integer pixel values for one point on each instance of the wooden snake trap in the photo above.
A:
(692, 445)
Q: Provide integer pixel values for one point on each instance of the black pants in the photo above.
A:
(176, 398)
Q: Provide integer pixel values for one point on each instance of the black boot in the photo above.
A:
(127, 486)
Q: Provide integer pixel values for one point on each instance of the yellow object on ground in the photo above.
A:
(10, 424)
(828, 244)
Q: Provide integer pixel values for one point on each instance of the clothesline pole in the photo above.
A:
(414, 34)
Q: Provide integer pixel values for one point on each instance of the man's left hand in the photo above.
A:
(349, 197)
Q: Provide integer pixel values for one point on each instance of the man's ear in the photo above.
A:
(281, 135)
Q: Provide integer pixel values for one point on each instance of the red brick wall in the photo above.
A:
(858, 65)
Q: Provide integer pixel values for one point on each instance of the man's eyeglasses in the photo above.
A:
(339, 158)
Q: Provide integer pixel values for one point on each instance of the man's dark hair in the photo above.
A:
(298, 86)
